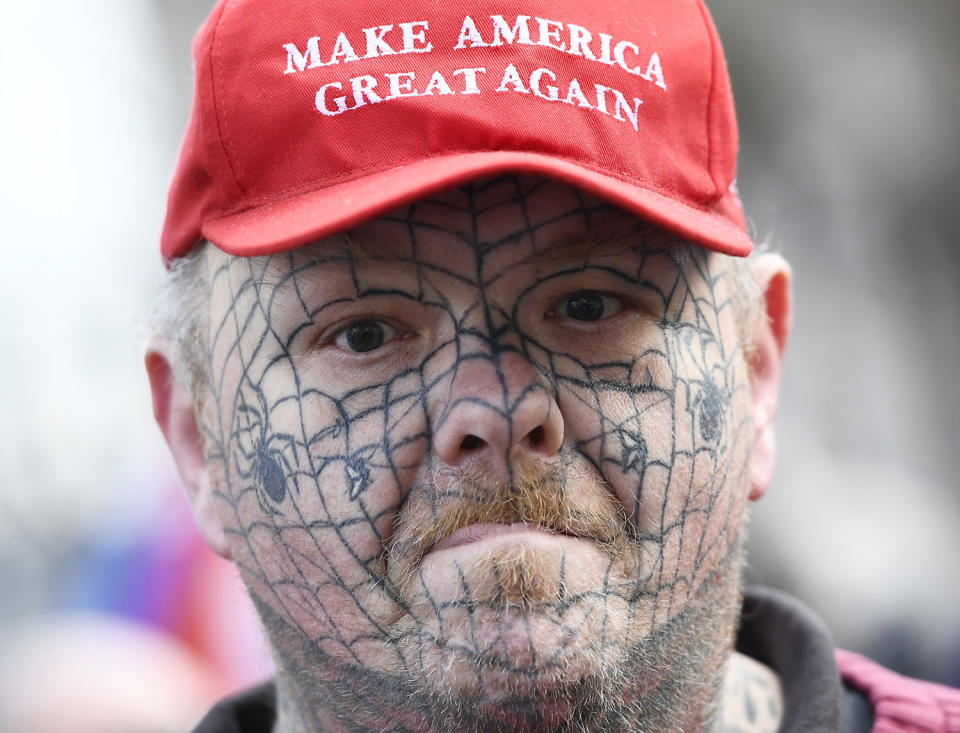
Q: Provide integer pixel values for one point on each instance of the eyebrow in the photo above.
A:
(345, 247)
(609, 236)
(612, 237)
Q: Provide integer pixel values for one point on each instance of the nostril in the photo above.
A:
(536, 436)
(470, 443)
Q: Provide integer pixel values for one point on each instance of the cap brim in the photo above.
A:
(277, 226)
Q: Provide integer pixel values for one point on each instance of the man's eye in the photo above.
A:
(364, 336)
(589, 305)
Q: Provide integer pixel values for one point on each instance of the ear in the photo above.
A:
(174, 412)
(770, 333)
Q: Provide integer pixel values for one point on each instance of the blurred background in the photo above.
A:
(850, 165)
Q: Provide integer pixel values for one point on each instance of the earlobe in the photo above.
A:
(174, 412)
(770, 333)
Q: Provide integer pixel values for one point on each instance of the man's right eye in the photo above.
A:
(589, 305)
(363, 336)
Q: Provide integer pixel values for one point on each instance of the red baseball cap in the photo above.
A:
(311, 117)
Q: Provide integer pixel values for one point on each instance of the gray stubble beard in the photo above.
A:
(670, 681)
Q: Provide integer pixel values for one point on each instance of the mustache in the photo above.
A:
(558, 496)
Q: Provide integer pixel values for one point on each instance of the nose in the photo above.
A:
(497, 409)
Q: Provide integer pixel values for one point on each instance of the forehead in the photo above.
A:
(501, 223)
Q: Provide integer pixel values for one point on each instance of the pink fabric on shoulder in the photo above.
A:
(901, 704)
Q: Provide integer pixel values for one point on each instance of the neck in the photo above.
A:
(752, 697)
(752, 702)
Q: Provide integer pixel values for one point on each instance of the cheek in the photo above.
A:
(697, 516)
(621, 419)
(670, 435)
(311, 485)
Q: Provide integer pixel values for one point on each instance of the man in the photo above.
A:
(463, 368)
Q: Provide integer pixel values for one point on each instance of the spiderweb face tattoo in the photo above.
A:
(483, 465)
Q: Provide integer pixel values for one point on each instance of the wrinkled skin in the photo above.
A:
(484, 465)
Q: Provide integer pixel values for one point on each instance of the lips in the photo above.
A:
(477, 532)
(459, 508)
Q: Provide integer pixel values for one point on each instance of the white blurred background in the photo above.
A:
(850, 163)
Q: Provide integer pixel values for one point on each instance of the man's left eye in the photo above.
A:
(365, 335)
(589, 305)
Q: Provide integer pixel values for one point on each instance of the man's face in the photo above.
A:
(490, 456)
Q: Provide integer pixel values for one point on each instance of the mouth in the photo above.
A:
(542, 508)
(482, 531)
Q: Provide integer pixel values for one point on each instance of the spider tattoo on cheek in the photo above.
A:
(263, 458)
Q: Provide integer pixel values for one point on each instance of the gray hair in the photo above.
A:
(180, 317)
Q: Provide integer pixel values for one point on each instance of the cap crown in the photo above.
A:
(310, 117)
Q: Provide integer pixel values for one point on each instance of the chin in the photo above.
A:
(511, 620)
(520, 669)
(512, 652)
